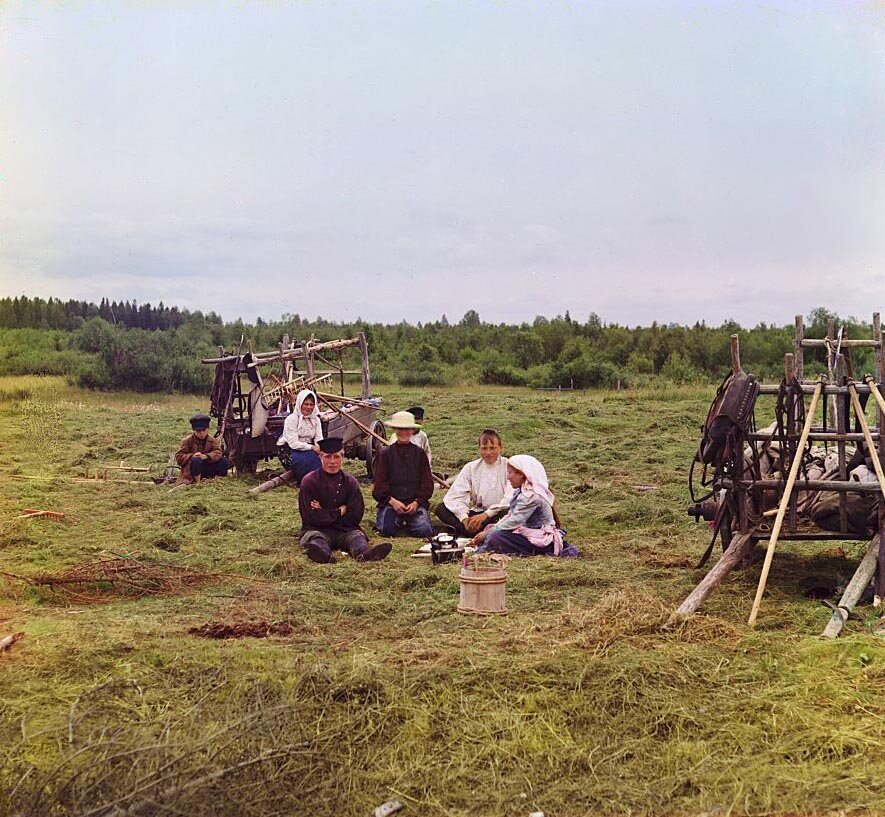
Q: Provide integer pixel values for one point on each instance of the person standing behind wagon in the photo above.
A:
(302, 433)
(403, 482)
(480, 493)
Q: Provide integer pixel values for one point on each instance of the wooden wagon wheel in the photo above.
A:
(236, 452)
(373, 447)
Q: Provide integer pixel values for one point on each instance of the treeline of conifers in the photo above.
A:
(127, 346)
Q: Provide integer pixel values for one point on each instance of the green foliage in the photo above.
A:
(125, 346)
(678, 369)
(496, 373)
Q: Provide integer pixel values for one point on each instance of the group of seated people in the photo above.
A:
(503, 505)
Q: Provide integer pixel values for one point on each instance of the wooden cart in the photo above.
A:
(254, 393)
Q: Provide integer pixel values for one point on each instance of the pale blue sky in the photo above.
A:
(407, 159)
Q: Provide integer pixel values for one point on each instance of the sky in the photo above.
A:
(645, 161)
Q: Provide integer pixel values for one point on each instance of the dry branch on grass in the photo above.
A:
(109, 578)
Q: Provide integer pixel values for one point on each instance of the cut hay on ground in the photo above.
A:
(109, 578)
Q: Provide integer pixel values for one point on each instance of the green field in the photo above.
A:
(576, 703)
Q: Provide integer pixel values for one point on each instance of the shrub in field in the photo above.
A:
(424, 374)
(497, 373)
(679, 370)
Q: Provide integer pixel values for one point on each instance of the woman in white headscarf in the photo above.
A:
(529, 528)
(302, 432)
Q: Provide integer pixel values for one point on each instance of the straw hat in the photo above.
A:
(403, 419)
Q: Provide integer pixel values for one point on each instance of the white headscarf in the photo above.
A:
(535, 476)
(302, 396)
(298, 427)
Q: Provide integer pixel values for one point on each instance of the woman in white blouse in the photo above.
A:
(302, 431)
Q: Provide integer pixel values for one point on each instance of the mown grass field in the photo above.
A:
(576, 703)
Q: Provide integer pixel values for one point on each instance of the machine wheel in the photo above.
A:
(243, 462)
(373, 447)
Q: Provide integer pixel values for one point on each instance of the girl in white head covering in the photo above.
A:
(535, 477)
(529, 528)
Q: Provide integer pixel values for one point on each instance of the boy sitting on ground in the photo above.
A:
(199, 454)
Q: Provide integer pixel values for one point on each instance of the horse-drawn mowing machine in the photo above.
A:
(255, 391)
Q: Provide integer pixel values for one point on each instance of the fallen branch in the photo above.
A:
(286, 478)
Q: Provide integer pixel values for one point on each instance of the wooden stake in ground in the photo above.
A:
(853, 591)
(785, 502)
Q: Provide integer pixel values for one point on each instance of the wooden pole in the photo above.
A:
(740, 547)
(228, 408)
(831, 363)
(364, 365)
(854, 590)
(353, 420)
(735, 354)
(308, 358)
(792, 414)
(868, 437)
(286, 478)
(339, 399)
(800, 335)
(874, 390)
(785, 501)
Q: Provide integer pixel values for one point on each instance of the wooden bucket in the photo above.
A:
(482, 591)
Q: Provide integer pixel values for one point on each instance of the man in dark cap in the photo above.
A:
(331, 508)
(200, 454)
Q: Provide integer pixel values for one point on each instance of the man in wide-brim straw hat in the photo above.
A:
(403, 482)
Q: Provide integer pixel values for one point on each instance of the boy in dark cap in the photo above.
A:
(199, 454)
(331, 508)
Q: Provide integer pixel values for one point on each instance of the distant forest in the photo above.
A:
(140, 347)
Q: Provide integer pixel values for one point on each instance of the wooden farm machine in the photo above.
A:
(255, 391)
(815, 473)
